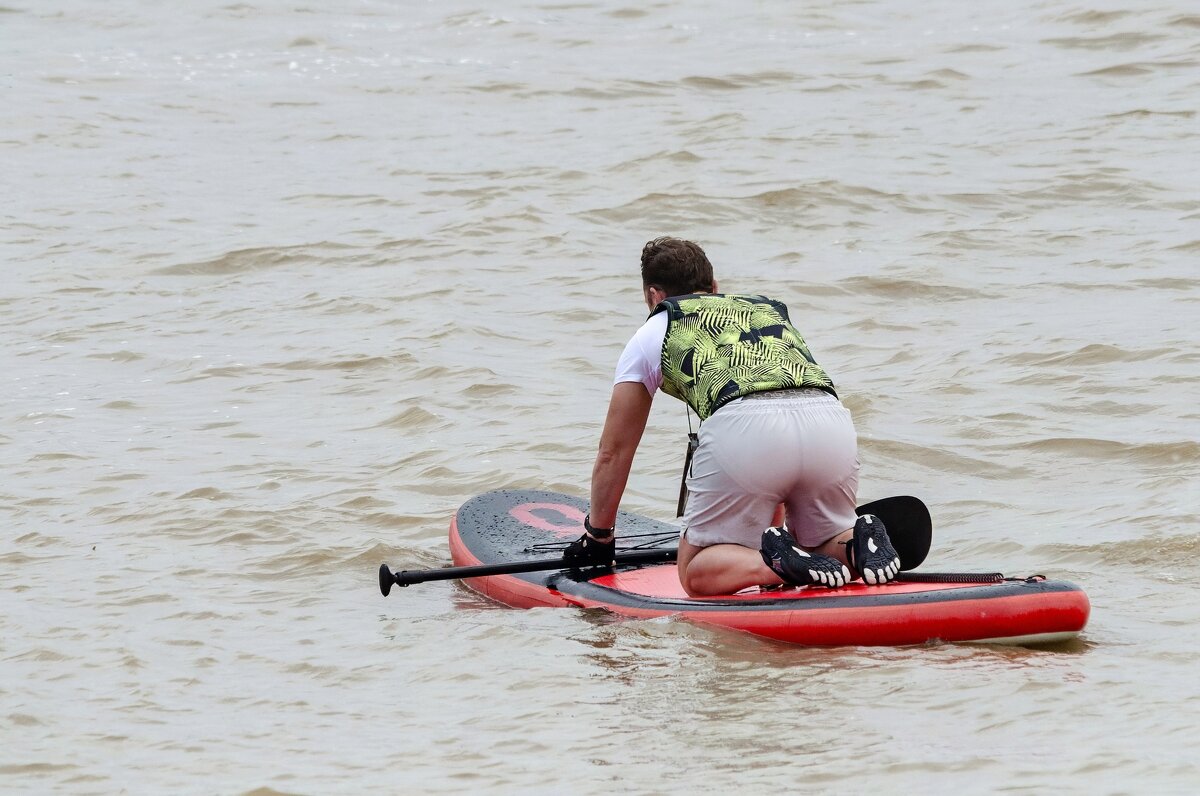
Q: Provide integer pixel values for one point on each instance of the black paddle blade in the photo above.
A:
(909, 527)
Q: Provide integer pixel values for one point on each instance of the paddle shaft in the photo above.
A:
(407, 578)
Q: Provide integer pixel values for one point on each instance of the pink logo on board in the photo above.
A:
(570, 526)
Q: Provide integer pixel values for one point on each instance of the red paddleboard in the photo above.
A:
(517, 525)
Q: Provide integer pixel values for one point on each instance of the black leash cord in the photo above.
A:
(953, 577)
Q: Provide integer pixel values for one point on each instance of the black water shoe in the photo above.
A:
(870, 551)
(783, 555)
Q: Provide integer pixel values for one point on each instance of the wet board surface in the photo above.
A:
(518, 525)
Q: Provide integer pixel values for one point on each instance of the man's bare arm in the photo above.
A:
(628, 410)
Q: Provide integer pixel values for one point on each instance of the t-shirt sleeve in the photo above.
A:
(641, 361)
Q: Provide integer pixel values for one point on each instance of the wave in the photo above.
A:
(940, 460)
(1088, 355)
(1116, 41)
(782, 204)
(352, 363)
(1094, 17)
(740, 81)
(411, 418)
(1139, 69)
(908, 289)
(1175, 553)
(1151, 453)
(241, 261)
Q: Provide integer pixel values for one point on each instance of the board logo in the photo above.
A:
(564, 521)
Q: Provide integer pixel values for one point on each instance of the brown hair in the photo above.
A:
(678, 267)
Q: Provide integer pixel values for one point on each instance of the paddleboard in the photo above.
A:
(517, 525)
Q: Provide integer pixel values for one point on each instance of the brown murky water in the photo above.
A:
(284, 284)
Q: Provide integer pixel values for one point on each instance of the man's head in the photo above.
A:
(674, 267)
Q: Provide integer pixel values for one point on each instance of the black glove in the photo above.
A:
(587, 551)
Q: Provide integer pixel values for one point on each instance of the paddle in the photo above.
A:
(406, 578)
(906, 518)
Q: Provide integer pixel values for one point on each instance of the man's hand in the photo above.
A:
(588, 551)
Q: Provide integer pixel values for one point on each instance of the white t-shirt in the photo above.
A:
(641, 361)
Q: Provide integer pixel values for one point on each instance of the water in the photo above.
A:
(285, 284)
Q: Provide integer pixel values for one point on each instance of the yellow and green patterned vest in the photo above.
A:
(719, 348)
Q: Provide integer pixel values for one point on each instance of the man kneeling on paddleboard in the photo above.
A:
(774, 441)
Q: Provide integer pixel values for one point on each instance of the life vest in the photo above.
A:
(721, 347)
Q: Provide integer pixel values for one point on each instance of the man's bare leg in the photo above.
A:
(836, 548)
(721, 569)
(728, 568)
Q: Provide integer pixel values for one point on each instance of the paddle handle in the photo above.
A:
(387, 578)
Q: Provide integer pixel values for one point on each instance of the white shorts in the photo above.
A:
(796, 447)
